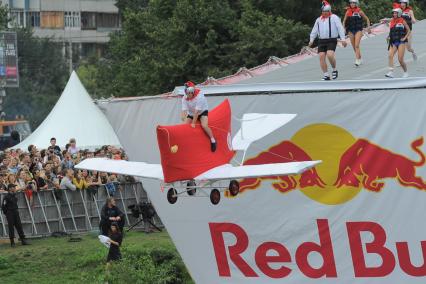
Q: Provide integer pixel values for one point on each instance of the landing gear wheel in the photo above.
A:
(191, 190)
(172, 196)
(215, 196)
(234, 187)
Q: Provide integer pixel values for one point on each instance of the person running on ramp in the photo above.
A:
(408, 16)
(327, 28)
(398, 38)
(353, 22)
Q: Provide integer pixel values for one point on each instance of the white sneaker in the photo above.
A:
(405, 75)
(389, 74)
(358, 62)
(414, 56)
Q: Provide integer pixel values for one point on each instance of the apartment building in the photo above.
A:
(85, 24)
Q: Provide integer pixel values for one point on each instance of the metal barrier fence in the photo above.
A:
(73, 211)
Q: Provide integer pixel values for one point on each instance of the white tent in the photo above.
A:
(75, 115)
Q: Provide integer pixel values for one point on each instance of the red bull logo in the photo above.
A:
(369, 164)
(349, 165)
(289, 152)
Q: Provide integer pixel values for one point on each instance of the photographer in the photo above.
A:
(10, 209)
(110, 213)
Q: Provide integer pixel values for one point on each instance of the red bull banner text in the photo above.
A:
(358, 217)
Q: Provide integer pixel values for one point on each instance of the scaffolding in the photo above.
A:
(73, 211)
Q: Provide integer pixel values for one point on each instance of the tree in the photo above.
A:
(170, 42)
(261, 36)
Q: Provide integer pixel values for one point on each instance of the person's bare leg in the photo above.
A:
(357, 48)
(392, 51)
(323, 64)
(205, 125)
(352, 38)
(409, 43)
(401, 53)
(188, 120)
(331, 58)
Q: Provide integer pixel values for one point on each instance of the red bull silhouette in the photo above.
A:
(368, 164)
(286, 151)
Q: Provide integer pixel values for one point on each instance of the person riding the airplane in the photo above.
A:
(194, 108)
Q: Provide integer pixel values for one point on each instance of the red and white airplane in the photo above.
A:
(188, 165)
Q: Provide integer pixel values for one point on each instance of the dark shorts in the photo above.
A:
(327, 44)
(204, 113)
(397, 43)
(354, 32)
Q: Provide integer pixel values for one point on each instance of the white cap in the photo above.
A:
(190, 90)
(397, 10)
(326, 8)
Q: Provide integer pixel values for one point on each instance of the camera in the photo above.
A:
(147, 211)
(143, 208)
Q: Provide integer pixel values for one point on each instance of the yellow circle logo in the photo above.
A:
(327, 143)
(174, 149)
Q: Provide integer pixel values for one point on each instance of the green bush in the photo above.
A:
(4, 262)
(156, 266)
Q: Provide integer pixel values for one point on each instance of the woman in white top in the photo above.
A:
(194, 108)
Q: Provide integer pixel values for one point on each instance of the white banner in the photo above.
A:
(357, 218)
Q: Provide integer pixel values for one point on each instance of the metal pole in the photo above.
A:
(124, 206)
(44, 213)
(134, 191)
(31, 213)
(96, 204)
(69, 207)
(85, 210)
(59, 211)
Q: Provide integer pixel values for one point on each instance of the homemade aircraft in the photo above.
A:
(187, 164)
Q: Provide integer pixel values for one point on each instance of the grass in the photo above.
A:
(55, 260)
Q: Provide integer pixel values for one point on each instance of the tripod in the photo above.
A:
(149, 220)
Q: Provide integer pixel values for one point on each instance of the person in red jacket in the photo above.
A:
(408, 16)
(353, 23)
(398, 37)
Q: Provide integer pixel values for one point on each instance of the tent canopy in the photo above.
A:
(75, 115)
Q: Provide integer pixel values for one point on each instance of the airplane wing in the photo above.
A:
(280, 169)
(255, 126)
(139, 169)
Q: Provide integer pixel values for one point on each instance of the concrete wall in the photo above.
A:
(104, 6)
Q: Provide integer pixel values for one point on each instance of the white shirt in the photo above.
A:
(197, 104)
(322, 28)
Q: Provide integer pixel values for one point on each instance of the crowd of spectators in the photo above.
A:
(36, 170)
